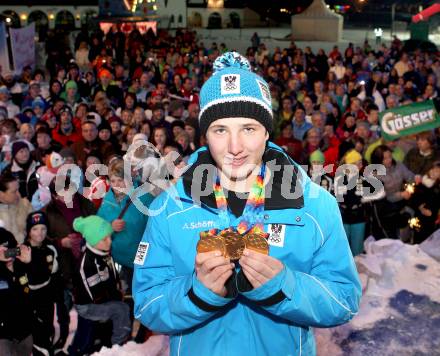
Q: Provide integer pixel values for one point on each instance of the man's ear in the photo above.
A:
(267, 135)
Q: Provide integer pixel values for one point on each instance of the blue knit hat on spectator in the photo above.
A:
(235, 91)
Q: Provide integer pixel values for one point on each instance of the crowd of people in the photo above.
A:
(90, 105)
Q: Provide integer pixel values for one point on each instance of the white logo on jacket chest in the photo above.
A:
(199, 225)
(277, 234)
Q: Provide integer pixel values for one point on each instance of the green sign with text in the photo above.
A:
(409, 119)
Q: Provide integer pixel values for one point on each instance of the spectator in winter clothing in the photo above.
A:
(353, 193)
(128, 222)
(426, 203)
(42, 274)
(96, 289)
(388, 211)
(23, 167)
(300, 125)
(420, 159)
(45, 145)
(90, 142)
(15, 307)
(68, 130)
(13, 208)
(317, 171)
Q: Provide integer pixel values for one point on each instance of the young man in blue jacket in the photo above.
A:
(261, 304)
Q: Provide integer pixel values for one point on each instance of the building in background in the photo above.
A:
(168, 14)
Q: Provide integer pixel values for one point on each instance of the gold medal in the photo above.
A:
(234, 244)
(257, 242)
(209, 244)
(231, 244)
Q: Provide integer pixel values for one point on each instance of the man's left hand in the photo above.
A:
(259, 268)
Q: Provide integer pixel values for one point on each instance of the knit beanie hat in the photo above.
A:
(104, 125)
(235, 91)
(17, 146)
(36, 218)
(93, 228)
(71, 85)
(317, 157)
(38, 102)
(352, 157)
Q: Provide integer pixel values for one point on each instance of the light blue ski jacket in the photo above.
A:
(319, 282)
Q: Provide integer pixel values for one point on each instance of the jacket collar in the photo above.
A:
(272, 155)
(16, 168)
(96, 251)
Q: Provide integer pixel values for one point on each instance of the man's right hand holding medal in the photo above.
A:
(213, 270)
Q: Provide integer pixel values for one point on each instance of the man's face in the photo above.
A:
(187, 85)
(34, 90)
(299, 115)
(237, 145)
(145, 79)
(65, 121)
(105, 80)
(373, 118)
(10, 195)
(4, 96)
(193, 111)
(287, 105)
(157, 115)
(423, 143)
(355, 106)
(43, 140)
(73, 72)
(89, 132)
(162, 88)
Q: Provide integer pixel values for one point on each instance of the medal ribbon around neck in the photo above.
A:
(252, 218)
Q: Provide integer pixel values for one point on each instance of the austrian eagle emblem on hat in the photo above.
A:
(230, 84)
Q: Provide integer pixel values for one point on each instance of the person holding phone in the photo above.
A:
(15, 305)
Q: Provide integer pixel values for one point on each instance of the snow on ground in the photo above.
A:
(156, 345)
(400, 307)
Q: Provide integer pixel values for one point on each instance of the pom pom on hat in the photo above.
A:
(235, 91)
(231, 60)
(93, 228)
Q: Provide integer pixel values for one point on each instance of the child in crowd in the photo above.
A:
(97, 293)
(42, 278)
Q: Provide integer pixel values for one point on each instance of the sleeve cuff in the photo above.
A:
(275, 290)
(204, 298)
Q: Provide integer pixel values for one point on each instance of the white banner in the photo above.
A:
(23, 46)
(4, 60)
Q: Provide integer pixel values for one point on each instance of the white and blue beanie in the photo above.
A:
(235, 91)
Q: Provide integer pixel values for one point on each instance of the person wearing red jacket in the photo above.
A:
(67, 130)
